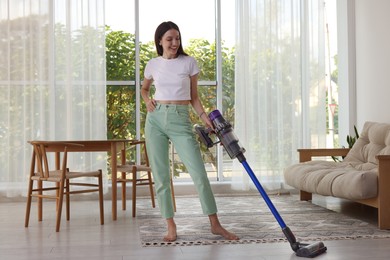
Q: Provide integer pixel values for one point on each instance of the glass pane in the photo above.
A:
(121, 112)
(196, 21)
(332, 72)
(198, 40)
(228, 69)
(228, 23)
(208, 95)
(120, 40)
(120, 15)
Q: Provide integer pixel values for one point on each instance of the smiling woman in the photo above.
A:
(168, 121)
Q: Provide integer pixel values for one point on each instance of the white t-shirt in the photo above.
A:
(172, 77)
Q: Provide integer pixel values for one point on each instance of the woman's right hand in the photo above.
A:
(151, 105)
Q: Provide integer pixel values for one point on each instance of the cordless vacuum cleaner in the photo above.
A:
(230, 142)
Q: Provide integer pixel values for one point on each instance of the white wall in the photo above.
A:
(372, 61)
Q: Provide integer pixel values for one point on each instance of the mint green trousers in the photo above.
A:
(172, 122)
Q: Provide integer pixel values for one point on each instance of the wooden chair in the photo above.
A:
(140, 175)
(42, 174)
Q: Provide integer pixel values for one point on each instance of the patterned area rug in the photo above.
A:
(250, 218)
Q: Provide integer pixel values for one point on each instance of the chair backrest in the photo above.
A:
(42, 162)
(144, 154)
(131, 154)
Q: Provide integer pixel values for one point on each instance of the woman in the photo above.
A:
(175, 76)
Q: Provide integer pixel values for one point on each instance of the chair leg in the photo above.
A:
(40, 201)
(30, 190)
(134, 196)
(67, 200)
(173, 196)
(57, 193)
(101, 204)
(123, 190)
(59, 211)
(151, 189)
(28, 207)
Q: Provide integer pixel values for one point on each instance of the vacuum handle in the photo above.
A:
(264, 194)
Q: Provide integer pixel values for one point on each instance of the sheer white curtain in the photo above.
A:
(280, 85)
(52, 58)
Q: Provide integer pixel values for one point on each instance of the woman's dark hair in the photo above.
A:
(160, 31)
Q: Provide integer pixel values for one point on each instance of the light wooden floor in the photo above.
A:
(84, 238)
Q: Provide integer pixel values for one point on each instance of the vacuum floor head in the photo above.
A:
(311, 250)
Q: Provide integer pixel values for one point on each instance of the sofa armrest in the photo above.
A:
(383, 199)
(383, 172)
(307, 154)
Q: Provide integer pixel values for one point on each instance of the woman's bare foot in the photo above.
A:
(217, 229)
(171, 235)
(223, 232)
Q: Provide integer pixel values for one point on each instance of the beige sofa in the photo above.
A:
(363, 176)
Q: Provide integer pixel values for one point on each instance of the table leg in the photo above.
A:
(113, 180)
(58, 167)
(123, 176)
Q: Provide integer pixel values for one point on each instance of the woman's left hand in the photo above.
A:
(207, 121)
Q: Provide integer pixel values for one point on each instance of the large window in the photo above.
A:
(208, 34)
(54, 83)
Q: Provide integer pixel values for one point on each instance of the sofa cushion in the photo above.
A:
(373, 140)
(337, 179)
(355, 177)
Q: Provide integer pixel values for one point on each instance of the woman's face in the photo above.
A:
(170, 43)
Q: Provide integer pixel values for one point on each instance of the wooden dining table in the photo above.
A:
(112, 145)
